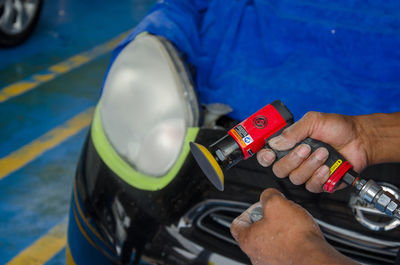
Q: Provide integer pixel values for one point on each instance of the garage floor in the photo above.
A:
(48, 87)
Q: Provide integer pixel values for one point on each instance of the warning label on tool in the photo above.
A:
(243, 138)
(241, 131)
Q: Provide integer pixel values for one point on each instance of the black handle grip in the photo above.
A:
(333, 157)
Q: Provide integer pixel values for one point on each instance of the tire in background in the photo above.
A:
(10, 39)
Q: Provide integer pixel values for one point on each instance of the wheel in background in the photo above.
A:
(18, 19)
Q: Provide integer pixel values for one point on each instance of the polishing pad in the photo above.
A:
(208, 164)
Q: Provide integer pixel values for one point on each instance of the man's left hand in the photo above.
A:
(286, 234)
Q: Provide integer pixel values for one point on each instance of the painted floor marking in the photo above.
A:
(58, 69)
(56, 136)
(43, 249)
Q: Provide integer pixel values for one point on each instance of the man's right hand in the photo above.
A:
(363, 140)
(344, 133)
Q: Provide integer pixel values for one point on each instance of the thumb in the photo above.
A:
(294, 133)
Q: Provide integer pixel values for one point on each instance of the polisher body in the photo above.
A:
(249, 136)
(252, 133)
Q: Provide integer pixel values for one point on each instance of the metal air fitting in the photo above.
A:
(373, 193)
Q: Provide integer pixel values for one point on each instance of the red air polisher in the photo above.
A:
(252, 134)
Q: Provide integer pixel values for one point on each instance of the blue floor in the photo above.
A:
(36, 197)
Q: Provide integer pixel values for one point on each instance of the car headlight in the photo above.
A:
(147, 105)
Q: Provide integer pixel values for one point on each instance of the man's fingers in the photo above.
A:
(318, 179)
(295, 133)
(266, 157)
(304, 172)
(291, 161)
(241, 224)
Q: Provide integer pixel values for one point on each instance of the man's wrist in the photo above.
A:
(380, 136)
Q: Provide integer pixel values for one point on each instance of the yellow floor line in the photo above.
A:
(43, 249)
(58, 69)
(29, 152)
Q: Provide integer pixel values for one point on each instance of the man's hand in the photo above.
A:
(286, 234)
(343, 133)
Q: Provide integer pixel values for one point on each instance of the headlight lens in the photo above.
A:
(147, 105)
